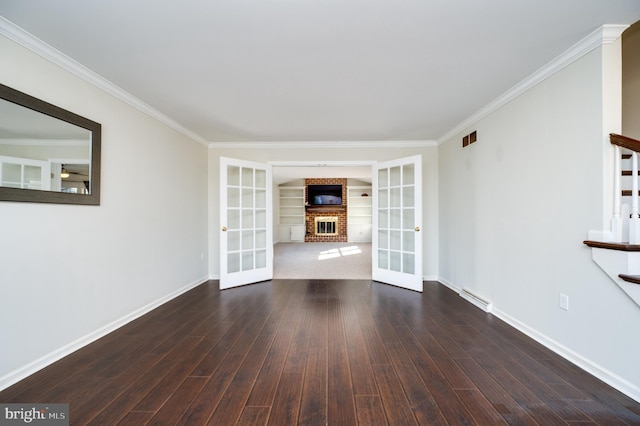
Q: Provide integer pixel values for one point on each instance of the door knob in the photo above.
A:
(224, 229)
(417, 229)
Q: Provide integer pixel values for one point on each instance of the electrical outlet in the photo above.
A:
(564, 302)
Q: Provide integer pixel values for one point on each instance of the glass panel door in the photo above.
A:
(397, 241)
(24, 173)
(246, 249)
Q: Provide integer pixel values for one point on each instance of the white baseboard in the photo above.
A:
(449, 284)
(23, 372)
(613, 380)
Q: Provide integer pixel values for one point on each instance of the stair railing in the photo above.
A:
(616, 222)
(633, 145)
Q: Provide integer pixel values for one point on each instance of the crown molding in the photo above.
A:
(50, 53)
(325, 144)
(611, 33)
(606, 34)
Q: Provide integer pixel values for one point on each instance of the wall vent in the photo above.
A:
(480, 302)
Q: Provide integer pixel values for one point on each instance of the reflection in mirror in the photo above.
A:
(47, 154)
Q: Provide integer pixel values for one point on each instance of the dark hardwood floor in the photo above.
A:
(322, 352)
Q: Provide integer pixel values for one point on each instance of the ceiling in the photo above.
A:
(315, 70)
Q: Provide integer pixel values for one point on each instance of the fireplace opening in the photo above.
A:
(326, 225)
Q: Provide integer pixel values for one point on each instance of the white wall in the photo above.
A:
(141, 245)
(265, 154)
(516, 206)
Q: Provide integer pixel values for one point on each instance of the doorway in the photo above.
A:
(247, 221)
(294, 258)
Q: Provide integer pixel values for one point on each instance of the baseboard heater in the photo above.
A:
(480, 302)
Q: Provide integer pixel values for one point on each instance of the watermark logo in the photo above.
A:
(36, 414)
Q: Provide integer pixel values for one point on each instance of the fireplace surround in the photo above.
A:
(326, 225)
(330, 220)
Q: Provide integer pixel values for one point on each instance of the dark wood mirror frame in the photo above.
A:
(40, 196)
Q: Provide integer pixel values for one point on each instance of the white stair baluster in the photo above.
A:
(634, 221)
(616, 222)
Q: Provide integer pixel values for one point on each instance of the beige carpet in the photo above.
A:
(347, 261)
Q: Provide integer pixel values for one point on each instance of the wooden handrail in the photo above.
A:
(635, 279)
(625, 142)
(612, 246)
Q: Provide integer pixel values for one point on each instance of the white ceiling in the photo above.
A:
(316, 70)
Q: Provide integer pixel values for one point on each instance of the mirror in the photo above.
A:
(47, 154)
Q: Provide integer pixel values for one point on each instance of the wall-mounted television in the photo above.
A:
(320, 195)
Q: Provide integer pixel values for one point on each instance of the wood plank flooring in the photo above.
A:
(322, 352)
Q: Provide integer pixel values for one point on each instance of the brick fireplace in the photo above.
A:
(326, 223)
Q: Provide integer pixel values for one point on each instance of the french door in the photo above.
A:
(246, 243)
(397, 215)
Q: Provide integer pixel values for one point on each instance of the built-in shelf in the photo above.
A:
(359, 213)
(291, 214)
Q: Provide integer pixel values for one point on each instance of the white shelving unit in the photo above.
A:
(291, 214)
(359, 213)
